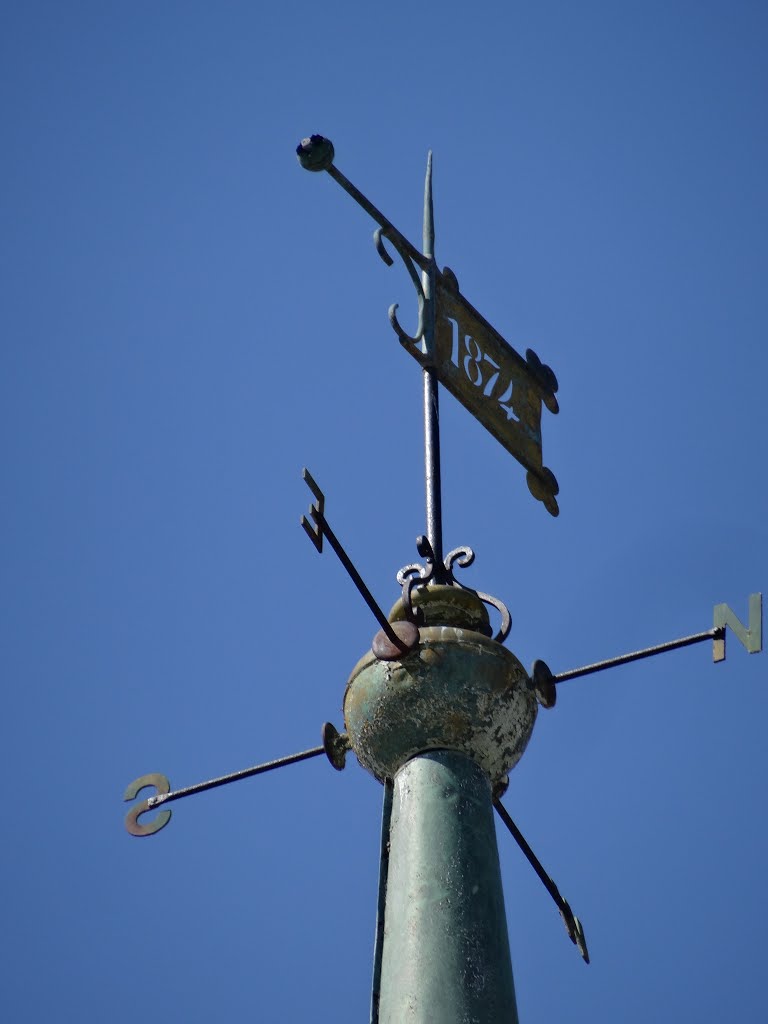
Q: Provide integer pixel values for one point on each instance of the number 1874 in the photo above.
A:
(481, 370)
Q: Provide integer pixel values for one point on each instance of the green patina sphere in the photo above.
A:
(457, 690)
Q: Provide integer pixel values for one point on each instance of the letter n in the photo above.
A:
(751, 637)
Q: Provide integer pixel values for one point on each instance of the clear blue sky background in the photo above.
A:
(188, 318)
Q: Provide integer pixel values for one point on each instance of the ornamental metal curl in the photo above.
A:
(425, 572)
(433, 571)
(411, 343)
(463, 557)
(501, 608)
(405, 339)
(416, 575)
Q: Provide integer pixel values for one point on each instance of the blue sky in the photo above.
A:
(188, 318)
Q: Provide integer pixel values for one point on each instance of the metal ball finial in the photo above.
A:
(315, 153)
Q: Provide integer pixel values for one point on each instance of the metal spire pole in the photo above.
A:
(431, 401)
(443, 723)
(442, 950)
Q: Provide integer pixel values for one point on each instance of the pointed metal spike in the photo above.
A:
(429, 214)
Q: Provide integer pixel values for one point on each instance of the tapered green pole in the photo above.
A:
(441, 725)
(446, 951)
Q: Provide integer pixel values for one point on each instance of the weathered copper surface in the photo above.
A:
(501, 389)
(458, 690)
(445, 949)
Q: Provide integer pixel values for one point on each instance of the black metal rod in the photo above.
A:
(648, 652)
(268, 766)
(432, 481)
(357, 579)
(433, 485)
(572, 924)
(426, 262)
(389, 228)
(378, 948)
(533, 860)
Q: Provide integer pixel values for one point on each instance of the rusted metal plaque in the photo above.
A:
(501, 389)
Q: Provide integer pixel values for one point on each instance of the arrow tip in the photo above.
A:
(429, 217)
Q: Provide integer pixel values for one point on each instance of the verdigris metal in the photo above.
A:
(457, 690)
(445, 954)
(438, 604)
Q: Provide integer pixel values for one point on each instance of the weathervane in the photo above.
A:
(438, 710)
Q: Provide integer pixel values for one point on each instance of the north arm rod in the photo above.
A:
(647, 652)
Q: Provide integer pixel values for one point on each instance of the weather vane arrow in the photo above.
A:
(457, 346)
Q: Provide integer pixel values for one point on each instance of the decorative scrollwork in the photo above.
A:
(378, 240)
(424, 572)
(463, 557)
(379, 235)
(416, 575)
(411, 343)
(381, 248)
(501, 608)
(414, 569)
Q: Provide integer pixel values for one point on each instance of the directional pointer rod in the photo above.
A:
(572, 923)
(751, 636)
(316, 153)
(403, 640)
(335, 747)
